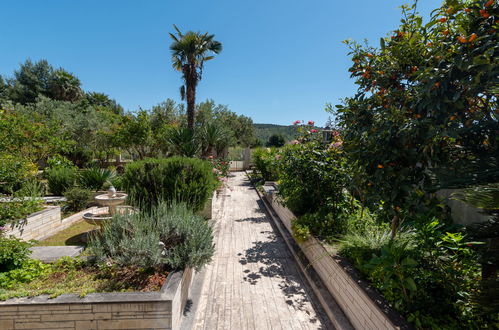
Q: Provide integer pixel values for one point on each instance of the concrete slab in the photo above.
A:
(52, 253)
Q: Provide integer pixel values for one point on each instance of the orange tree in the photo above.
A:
(426, 104)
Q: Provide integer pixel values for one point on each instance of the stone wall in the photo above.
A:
(461, 212)
(362, 305)
(45, 223)
(135, 310)
(139, 315)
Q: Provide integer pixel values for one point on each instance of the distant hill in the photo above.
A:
(264, 131)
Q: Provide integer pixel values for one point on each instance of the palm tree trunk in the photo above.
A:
(191, 83)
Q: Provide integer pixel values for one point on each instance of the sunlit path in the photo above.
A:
(253, 281)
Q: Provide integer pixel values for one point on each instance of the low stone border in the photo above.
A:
(364, 307)
(123, 310)
(207, 211)
(45, 223)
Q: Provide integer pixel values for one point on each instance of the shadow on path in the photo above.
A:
(275, 262)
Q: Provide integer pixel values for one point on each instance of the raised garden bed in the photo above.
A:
(364, 307)
(130, 310)
(43, 224)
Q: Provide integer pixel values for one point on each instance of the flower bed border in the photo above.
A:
(364, 307)
(122, 310)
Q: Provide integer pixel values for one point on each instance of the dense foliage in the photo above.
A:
(312, 176)
(77, 199)
(14, 171)
(60, 179)
(93, 178)
(175, 179)
(276, 141)
(13, 253)
(265, 160)
(264, 131)
(424, 118)
(13, 212)
(425, 113)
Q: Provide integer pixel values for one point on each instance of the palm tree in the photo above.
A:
(189, 52)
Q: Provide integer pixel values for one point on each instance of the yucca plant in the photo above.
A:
(183, 142)
(94, 178)
(214, 138)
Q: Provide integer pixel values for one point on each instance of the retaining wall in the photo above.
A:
(363, 306)
(44, 223)
(134, 310)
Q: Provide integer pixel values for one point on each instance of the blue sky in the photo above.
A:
(283, 60)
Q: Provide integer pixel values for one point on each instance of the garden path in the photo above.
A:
(253, 281)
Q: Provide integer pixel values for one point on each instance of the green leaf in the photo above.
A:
(410, 284)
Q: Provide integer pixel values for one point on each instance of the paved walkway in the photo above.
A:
(252, 281)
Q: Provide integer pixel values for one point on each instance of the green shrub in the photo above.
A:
(60, 179)
(13, 172)
(265, 162)
(32, 188)
(27, 271)
(323, 224)
(167, 236)
(93, 178)
(312, 176)
(301, 232)
(59, 161)
(359, 246)
(13, 253)
(77, 198)
(178, 179)
(12, 212)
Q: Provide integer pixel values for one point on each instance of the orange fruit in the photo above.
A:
(450, 10)
(437, 84)
(489, 3)
(462, 39)
(484, 13)
(452, 117)
(445, 32)
(468, 10)
(380, 166)
(472, 37)
(443, 20)
(370, 55)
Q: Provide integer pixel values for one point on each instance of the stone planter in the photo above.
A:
(364, 307)
(124, 310)
(44, 223)
(207, 211)
(38, 225)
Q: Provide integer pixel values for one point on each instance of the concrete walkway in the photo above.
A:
(252, 281)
